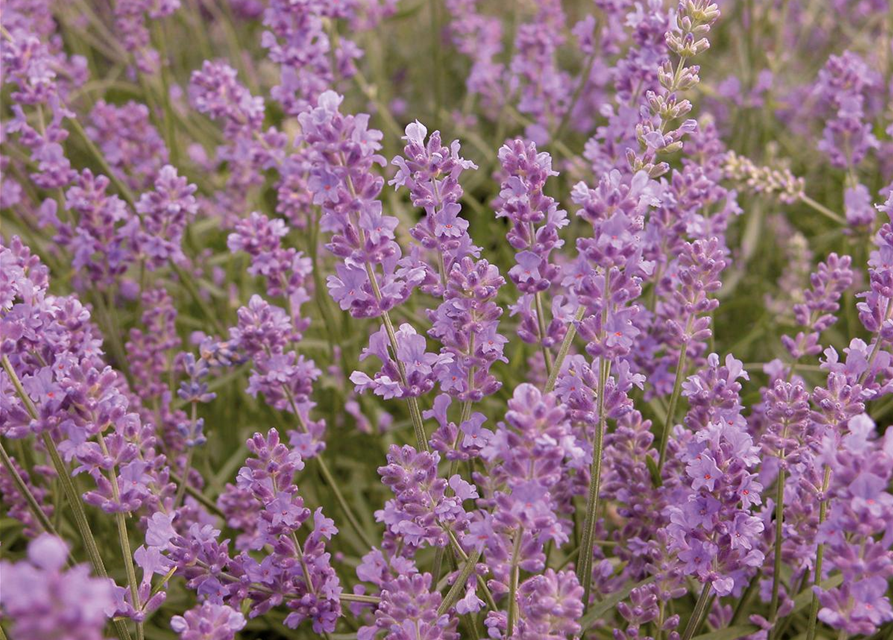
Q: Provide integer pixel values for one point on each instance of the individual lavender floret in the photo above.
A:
(208, 622)
(414, 365)
(466, 324)
(816, 313)
(421, 513)
(164, 214)
(431, 172)
(342, 151)
(42, 601)
(856, 533)
(408, 610)
(457, 442)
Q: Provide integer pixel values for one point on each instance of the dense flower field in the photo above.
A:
(439, 319)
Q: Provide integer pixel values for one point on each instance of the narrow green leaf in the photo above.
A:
(805, 597)
(601, 608)
(651, 463)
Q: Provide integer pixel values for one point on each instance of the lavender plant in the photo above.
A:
(440, 319)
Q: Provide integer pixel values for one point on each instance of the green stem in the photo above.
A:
(198, 495)
(106, 168)
(819, 556)
(594, 486)
(327, 474)
(488, 595)
(456, 590)
(779, 523)
(124, 540)
(339, 498)
(563, 351)
(825, 211)
(671, 408)
(187, 282)
(42, 518)
(181, 489)
(454, 469)
(541, 321)
(513, 583)
(745, 599)
(415, 413)
(169, 120)
(697, 615)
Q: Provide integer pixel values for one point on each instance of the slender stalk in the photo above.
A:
(415, 413)
(456, 590)
(819, 556)
(584, 80)
(743, 601)
(454, 464)
(825, 211)
(594, 486)
(186, 281)
(563, 351)
(327, 475)
(42, 518)
(80, 519)
(513, 583)
(124, 541)
(71, 494)
(697, 615)
(198, 495)
(488, 595)
(541, 321)
(106, 168)
(339, 498)
(779, 523)
(181, 490)
(671, 408)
